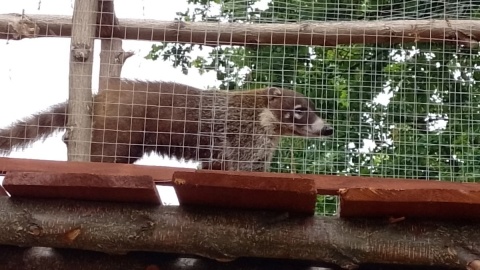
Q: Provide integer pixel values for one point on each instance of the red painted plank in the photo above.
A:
(331, 184)
(2, 191)
(422, 202)
(231, 189)
(158, 173)
(324, 184)
(82, 186)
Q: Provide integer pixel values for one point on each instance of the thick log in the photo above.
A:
(43, 258)
(225, 235)
(460, 32)
(78, 135)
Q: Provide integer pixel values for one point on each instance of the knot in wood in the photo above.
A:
(305, 27)
(81, 52)
(176, 26)
(22, 26)
(179, 25)
(34, 229)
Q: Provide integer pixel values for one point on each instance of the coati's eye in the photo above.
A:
(299, 111)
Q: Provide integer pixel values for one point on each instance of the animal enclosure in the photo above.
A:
(399, 109)
(345, 89)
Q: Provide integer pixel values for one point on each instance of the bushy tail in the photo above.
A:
(33, 128)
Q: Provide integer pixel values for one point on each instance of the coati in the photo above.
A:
(235, 130)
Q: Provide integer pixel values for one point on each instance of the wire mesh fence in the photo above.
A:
(398, 109)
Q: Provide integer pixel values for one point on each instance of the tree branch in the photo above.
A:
(228, 234)
(461, 32)
(112, 55)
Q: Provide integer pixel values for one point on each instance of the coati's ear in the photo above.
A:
(273, 93)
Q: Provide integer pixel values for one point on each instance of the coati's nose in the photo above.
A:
(326, 131)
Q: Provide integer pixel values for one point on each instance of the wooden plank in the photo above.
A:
(332, 184)
(422, 203)
(158, 173)
(324, 184)
(231, 189)
(2, 191)
(82, 186)
(220, 188)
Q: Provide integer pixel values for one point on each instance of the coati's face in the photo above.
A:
(296, 114)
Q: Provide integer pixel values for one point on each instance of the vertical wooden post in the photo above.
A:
(78, 134)
(112, 55)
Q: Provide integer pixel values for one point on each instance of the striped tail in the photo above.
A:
(39, 126)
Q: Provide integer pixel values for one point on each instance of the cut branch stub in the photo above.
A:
(120, 58)
(21, 26)
(81, 52)
(473, 265)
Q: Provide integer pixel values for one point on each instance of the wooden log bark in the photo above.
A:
(43, 258)
(78, 134)
(226, 234)
(310, 33)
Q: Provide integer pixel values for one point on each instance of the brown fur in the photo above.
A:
(236, 130)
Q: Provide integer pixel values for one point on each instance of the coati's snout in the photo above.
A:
(297, 114)
(315, 126)
(318, 128)
(326, 131)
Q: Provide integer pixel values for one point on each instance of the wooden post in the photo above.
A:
(112, 55)
(78, 134)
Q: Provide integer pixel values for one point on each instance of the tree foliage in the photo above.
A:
(399, 110)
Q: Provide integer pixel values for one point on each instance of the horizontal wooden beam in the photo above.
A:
(310, 33)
